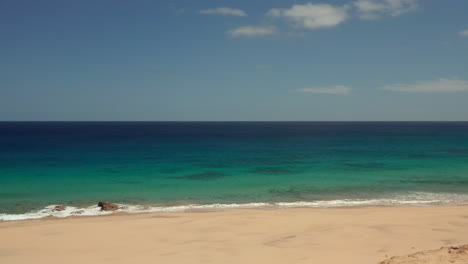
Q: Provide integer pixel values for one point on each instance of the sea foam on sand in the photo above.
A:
(413, 199)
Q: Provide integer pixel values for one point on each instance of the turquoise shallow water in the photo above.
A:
(180, 163)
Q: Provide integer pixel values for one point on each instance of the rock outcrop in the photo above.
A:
(59, 208)
(108, 206)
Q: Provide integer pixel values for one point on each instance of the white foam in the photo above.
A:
(49, 211)
(411, 199)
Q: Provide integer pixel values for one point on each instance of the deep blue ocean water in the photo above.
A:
(166, 164)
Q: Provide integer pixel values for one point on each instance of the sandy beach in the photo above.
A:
(299, 235)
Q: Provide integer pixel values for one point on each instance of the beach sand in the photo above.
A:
(295, 235)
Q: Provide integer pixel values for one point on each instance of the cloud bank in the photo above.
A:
(314, 16)
(373, 9)
(252, 31)
(436, 86)
(337, 89)
(225, 11)
(311, 16)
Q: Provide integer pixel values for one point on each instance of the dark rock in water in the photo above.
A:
(107, 206)
(59, 208)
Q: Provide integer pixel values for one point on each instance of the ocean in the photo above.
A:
(179, 166)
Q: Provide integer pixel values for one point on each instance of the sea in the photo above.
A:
(186, 166)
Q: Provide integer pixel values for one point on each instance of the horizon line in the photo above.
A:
(219, 121)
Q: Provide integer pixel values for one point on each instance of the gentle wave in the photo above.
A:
(413, 199)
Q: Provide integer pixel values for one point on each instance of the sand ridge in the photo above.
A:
(444, 255)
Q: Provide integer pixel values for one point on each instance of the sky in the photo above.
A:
(233, 60)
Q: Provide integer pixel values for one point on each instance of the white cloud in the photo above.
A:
(252, 31)
(226, 11)
(463, 33)
(311, 16)
(372, 9)
(436, 86)
(337, 89)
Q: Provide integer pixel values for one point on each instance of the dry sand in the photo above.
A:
(302, 235)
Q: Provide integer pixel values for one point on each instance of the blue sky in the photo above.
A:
(234, 60)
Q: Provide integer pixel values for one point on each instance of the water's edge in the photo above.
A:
(430, 200)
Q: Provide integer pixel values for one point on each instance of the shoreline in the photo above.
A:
(288, 235)
(219, 210)
(71, 211)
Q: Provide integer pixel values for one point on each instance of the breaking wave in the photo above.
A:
(413, 199)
